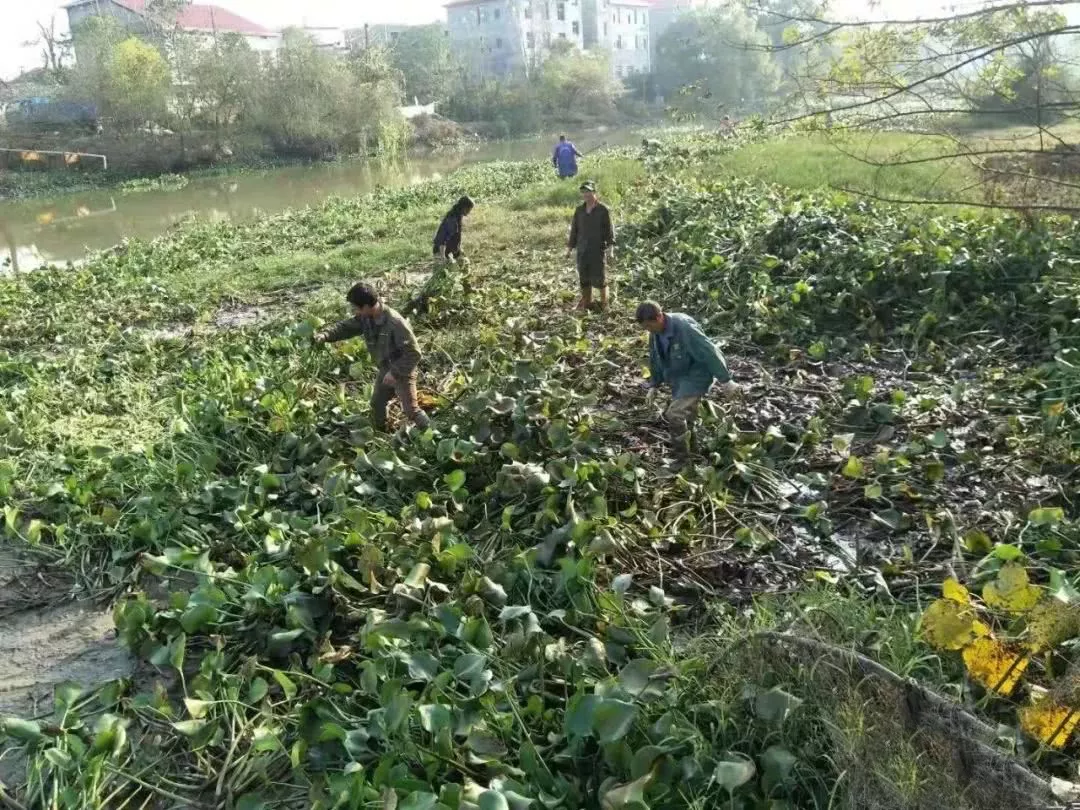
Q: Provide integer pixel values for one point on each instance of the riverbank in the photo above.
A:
(522, 605)
(148, 156)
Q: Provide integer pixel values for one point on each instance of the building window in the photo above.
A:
(498, 43)
(560, 11)
(562, 36)
(547, 9)
(479, 17)
(576, 27)
(495, 14)
(618, 42)
(528, 9)
(530, 39)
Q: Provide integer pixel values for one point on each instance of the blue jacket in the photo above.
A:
(691, 361)
(565, 159)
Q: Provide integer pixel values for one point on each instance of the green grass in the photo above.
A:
(816, 161)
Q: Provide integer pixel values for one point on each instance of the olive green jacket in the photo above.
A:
(389, 338)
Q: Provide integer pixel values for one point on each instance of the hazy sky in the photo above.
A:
(18, 17)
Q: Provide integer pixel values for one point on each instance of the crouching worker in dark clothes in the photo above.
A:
(684, 357)
(447, 244)
(593, 237)
(392, 346)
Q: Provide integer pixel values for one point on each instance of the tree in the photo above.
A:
(711, 61)
(138, 83)
(313, 103)
(999, 65)
(427, 66)
(55, 49)
(225, 77)
(127, 78)
(574, 82)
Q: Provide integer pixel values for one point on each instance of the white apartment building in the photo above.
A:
(497, 38)
(621, 27)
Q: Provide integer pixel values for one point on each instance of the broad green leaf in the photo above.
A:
(634, 677)
(977, 542)
(853, 468)
(1046, 516)
(19, 729)
(423, 666)
(469, 665)
(189, 728)
(492, 800)
(418, 800)
(578, 720)
(197, 708)
(777, 763)
(612, 719)
(631, 795)
(775, 705)
(197, 617)
(486, 745)
(434, 717)
(731, 774)
(286, 684)
(418, 575)
(455, 480)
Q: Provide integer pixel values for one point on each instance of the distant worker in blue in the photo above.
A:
(565, 158)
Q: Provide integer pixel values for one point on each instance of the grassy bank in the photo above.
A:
(521, 608)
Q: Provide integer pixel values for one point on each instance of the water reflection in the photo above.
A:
(55, 232)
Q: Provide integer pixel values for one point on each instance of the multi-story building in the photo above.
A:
(496, 38)
(199, 20)
(620, 27)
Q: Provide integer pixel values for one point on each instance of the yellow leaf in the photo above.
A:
(951, 589)
(1011, 591)
(1050, 623)
(1049, 723)
(948, 625)
(994, 665)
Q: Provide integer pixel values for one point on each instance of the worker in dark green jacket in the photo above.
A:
(684, 357)
(392, 346)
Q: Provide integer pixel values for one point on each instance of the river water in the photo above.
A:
(66, 228)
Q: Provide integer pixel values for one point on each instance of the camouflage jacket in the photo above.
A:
(389, 338)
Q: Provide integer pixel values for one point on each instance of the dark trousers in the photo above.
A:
(405, 392)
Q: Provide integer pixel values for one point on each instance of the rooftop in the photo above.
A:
(200, 17)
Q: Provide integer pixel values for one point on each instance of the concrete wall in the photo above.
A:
(624, 31)
(498, 38)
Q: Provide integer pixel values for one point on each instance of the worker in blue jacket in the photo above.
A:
(565, 158)
(684, 357)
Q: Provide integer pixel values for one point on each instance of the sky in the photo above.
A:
(19, 17)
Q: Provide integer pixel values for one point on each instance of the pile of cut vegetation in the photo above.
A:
(518, 608)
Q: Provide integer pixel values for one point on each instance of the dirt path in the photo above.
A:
(47, 637)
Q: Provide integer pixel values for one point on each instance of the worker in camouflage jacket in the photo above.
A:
(392, 346)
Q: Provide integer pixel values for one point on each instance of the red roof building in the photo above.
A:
(201, 18)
